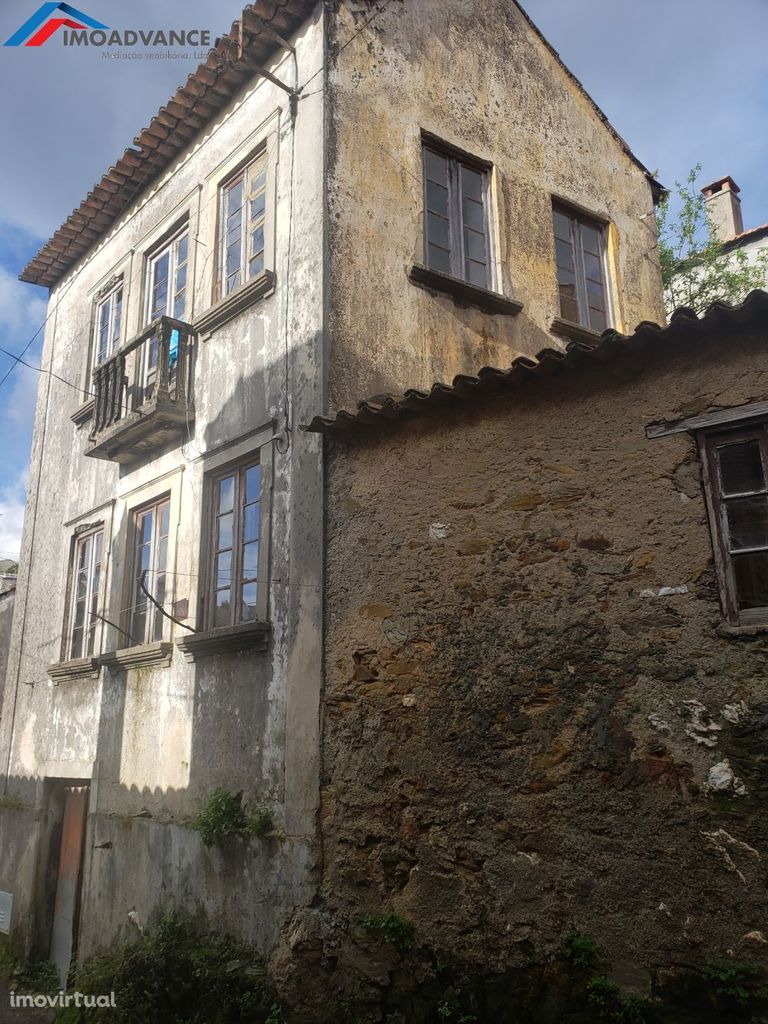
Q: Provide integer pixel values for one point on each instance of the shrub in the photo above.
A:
(580, 950)
(223, 817)
(175, 976)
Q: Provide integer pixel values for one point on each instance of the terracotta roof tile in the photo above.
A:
(204, 94)
(381, 410)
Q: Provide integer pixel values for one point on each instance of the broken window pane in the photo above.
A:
(751, 575)
(741, 467)
(748, 522)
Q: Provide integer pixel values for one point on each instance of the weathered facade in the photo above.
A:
(155, 730)
(481, 78)
(131, 678)
(539, 715)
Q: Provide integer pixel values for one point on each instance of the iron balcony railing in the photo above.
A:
(153, 369)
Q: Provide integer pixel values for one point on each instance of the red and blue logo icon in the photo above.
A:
(40, 27)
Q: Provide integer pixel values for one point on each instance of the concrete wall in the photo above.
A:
(518, 727)
(155, 741)
(478, 77)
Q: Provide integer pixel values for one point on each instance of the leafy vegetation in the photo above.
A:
(696, 269)
(580, 950)
(175, 976)
(393, 928)
(223, 817)
(40, 977)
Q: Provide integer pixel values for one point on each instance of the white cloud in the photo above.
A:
(20, 407)
(73, 112)
(22, 310)
(12, 504)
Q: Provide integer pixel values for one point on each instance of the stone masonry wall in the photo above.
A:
(520, 719)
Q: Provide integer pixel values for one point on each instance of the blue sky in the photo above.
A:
(684, 81)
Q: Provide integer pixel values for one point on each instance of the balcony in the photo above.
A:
(144, 397)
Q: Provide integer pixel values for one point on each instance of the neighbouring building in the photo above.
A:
(7, 601)
(8, 573)
(545, 707)
(342, 200)
(723, 205)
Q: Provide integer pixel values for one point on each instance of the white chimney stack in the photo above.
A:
(724, 208)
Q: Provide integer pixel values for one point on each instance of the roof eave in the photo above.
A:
(194, 105)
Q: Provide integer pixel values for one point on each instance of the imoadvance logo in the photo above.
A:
(42, 25)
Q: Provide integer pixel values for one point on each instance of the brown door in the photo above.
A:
(69, 879)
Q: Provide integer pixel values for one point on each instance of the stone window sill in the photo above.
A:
(77, 668)
(574, 331)
(157, 654)
(83, 413)
(251, 636)
(463, 293)
(227, 309)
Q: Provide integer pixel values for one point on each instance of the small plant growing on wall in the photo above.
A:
(11, 802)
(580, 950)
(223, 817)
(393, 929)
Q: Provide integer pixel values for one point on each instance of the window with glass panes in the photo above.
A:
(234, 568)
(737, 473)
(243, 212)
(581, 274)
(456, 238)
(86, 582)
(150, 565)
(166, 296)
(108, 323)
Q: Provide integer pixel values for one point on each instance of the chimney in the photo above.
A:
(724, 208)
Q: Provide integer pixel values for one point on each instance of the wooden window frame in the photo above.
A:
(209, 549)
(458, 160)
(708, 442)
(134, 582)
(168, 244)
(147, 372)
(114, 338)
(577, 218)
(78, 540)
(242, 173)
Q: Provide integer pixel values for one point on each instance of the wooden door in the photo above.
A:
(69, 879)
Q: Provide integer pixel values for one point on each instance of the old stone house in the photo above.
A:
(545, 706)
(344, 199)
